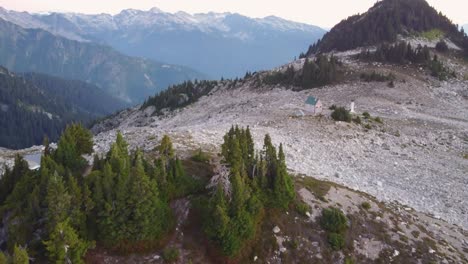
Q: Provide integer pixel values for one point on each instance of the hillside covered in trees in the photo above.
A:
(33, 106)
(122, 204)
(384, 22)
(66, 208)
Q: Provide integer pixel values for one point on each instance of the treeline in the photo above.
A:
(258, 180)
(34, 105)
(384, 22)
(317, 72)
(61, 211)
(403, 53)
(180, 95)
(186, 93)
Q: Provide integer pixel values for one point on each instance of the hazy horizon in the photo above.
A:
(320, 13)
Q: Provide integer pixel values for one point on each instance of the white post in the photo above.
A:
(352, 106)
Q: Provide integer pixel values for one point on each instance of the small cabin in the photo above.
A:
(313, 105)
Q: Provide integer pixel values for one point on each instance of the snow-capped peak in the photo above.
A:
(156, 10)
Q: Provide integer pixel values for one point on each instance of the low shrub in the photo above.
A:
(341, 114)
(366, 115)
(366, 205)
(368, 126)
(378, 120)
(333, 220)
(170, 255)
(442, 46)
(302, 208)
(376, 77)
(336, 241)
(333, 107)
(357, 120)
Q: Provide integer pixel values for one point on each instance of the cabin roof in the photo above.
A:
(312, 100)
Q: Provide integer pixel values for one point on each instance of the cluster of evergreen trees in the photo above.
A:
(186, 93)
(66, 207)
(384, 22)
(257, 180)
(60, 210)
(321, 71)
(400, 53)
(403, 53)
(180, 95)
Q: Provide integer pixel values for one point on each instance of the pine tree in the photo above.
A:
(20, 256)
(11, 177)
(65, 246)
(284, 187)
(46, 145)
(58, 201)
(165, 148)
(269, 152)
(3, 258)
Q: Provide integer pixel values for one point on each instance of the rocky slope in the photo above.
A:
(227, 44)
(417, 156)
(414, 162)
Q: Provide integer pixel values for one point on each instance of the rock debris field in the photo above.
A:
(417, 157)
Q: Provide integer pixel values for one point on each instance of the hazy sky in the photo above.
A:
(325, 13)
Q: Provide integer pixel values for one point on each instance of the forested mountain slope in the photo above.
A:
(384, 22)
(129, 78)
(35, 105)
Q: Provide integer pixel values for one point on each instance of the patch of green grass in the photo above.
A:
(201, 156)
(366, 205)
(318, 188)
(366, 115)
(349, 260)
(368, 126)
(433, 34)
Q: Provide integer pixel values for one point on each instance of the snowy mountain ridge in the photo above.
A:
(155, 17)
(217, 44)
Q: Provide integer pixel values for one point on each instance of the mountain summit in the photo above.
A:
(384, 22)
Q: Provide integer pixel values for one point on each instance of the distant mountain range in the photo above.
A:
(34, 105)
(131, 79)
(217, 44)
